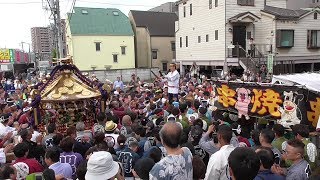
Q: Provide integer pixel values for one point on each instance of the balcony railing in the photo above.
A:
(256, 51)
(236, 52)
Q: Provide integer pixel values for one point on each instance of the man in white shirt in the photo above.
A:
(173, 78)
(218, 162)
(119, 83)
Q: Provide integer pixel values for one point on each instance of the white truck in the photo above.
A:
(44, 67)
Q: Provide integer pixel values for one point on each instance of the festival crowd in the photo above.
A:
(167, 129)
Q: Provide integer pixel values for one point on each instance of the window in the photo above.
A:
(190, 9)
(216, 3)
(115, 13)
(246, 2)
(186, 41)
(216, 34)
(313, 40)
(207, 38)
(199, 39)
(123, 50)
(115, 58)
(285, 38)
(181, 42)
(154, 54)
(165, 66)
(248, 34)
(173, 46)
(315, 15)
(210, 4)
(184, 11)
(98, 44)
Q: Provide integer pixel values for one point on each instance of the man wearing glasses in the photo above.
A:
(300, 169)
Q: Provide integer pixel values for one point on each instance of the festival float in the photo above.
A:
(66, 97)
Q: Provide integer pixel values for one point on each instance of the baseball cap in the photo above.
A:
(4, 117)
(171, 117)
(101, 166)
(22, 170)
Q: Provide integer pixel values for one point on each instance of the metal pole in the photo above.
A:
(23, 51)
(55, 35)
(29, 55)
(22, 46)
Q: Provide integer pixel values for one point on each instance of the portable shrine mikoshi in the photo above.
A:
(66, 97)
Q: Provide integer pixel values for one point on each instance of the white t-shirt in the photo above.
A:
(4, 130)
(35, 135)
(217, 166)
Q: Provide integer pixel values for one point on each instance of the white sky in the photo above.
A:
(18, 16)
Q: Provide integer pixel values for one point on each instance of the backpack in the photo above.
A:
(151, 141)
(123, 131)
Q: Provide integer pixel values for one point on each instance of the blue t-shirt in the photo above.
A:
(268, 175)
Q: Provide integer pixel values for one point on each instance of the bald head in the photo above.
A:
(170, 134)
(126, 120)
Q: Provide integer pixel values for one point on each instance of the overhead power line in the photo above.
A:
(89, 1)
(71, 9)
(22, 3)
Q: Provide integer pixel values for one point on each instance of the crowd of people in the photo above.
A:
(262, 76)
(167, 129)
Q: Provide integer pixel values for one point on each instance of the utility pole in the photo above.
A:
(58, 25)
(54, 7)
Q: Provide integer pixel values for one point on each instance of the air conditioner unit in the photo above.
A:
(269, 48)
(107, 66)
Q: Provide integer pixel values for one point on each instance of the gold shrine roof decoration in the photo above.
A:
(67, 86)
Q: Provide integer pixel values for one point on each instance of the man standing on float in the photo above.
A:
(173, 78)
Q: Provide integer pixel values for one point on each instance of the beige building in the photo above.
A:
(154, 38)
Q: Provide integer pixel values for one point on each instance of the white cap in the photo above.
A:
(195, 115)
(171, 116)
(22, 170)
(27, 109)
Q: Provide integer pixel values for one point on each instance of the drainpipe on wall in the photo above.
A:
(150, 50)
(225, 65)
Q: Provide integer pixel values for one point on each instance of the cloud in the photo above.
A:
(17, 18)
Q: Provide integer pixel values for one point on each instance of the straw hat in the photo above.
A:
(110, 126)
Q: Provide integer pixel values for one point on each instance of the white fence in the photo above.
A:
(145, 74)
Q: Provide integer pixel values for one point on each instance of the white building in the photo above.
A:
(217, 33)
